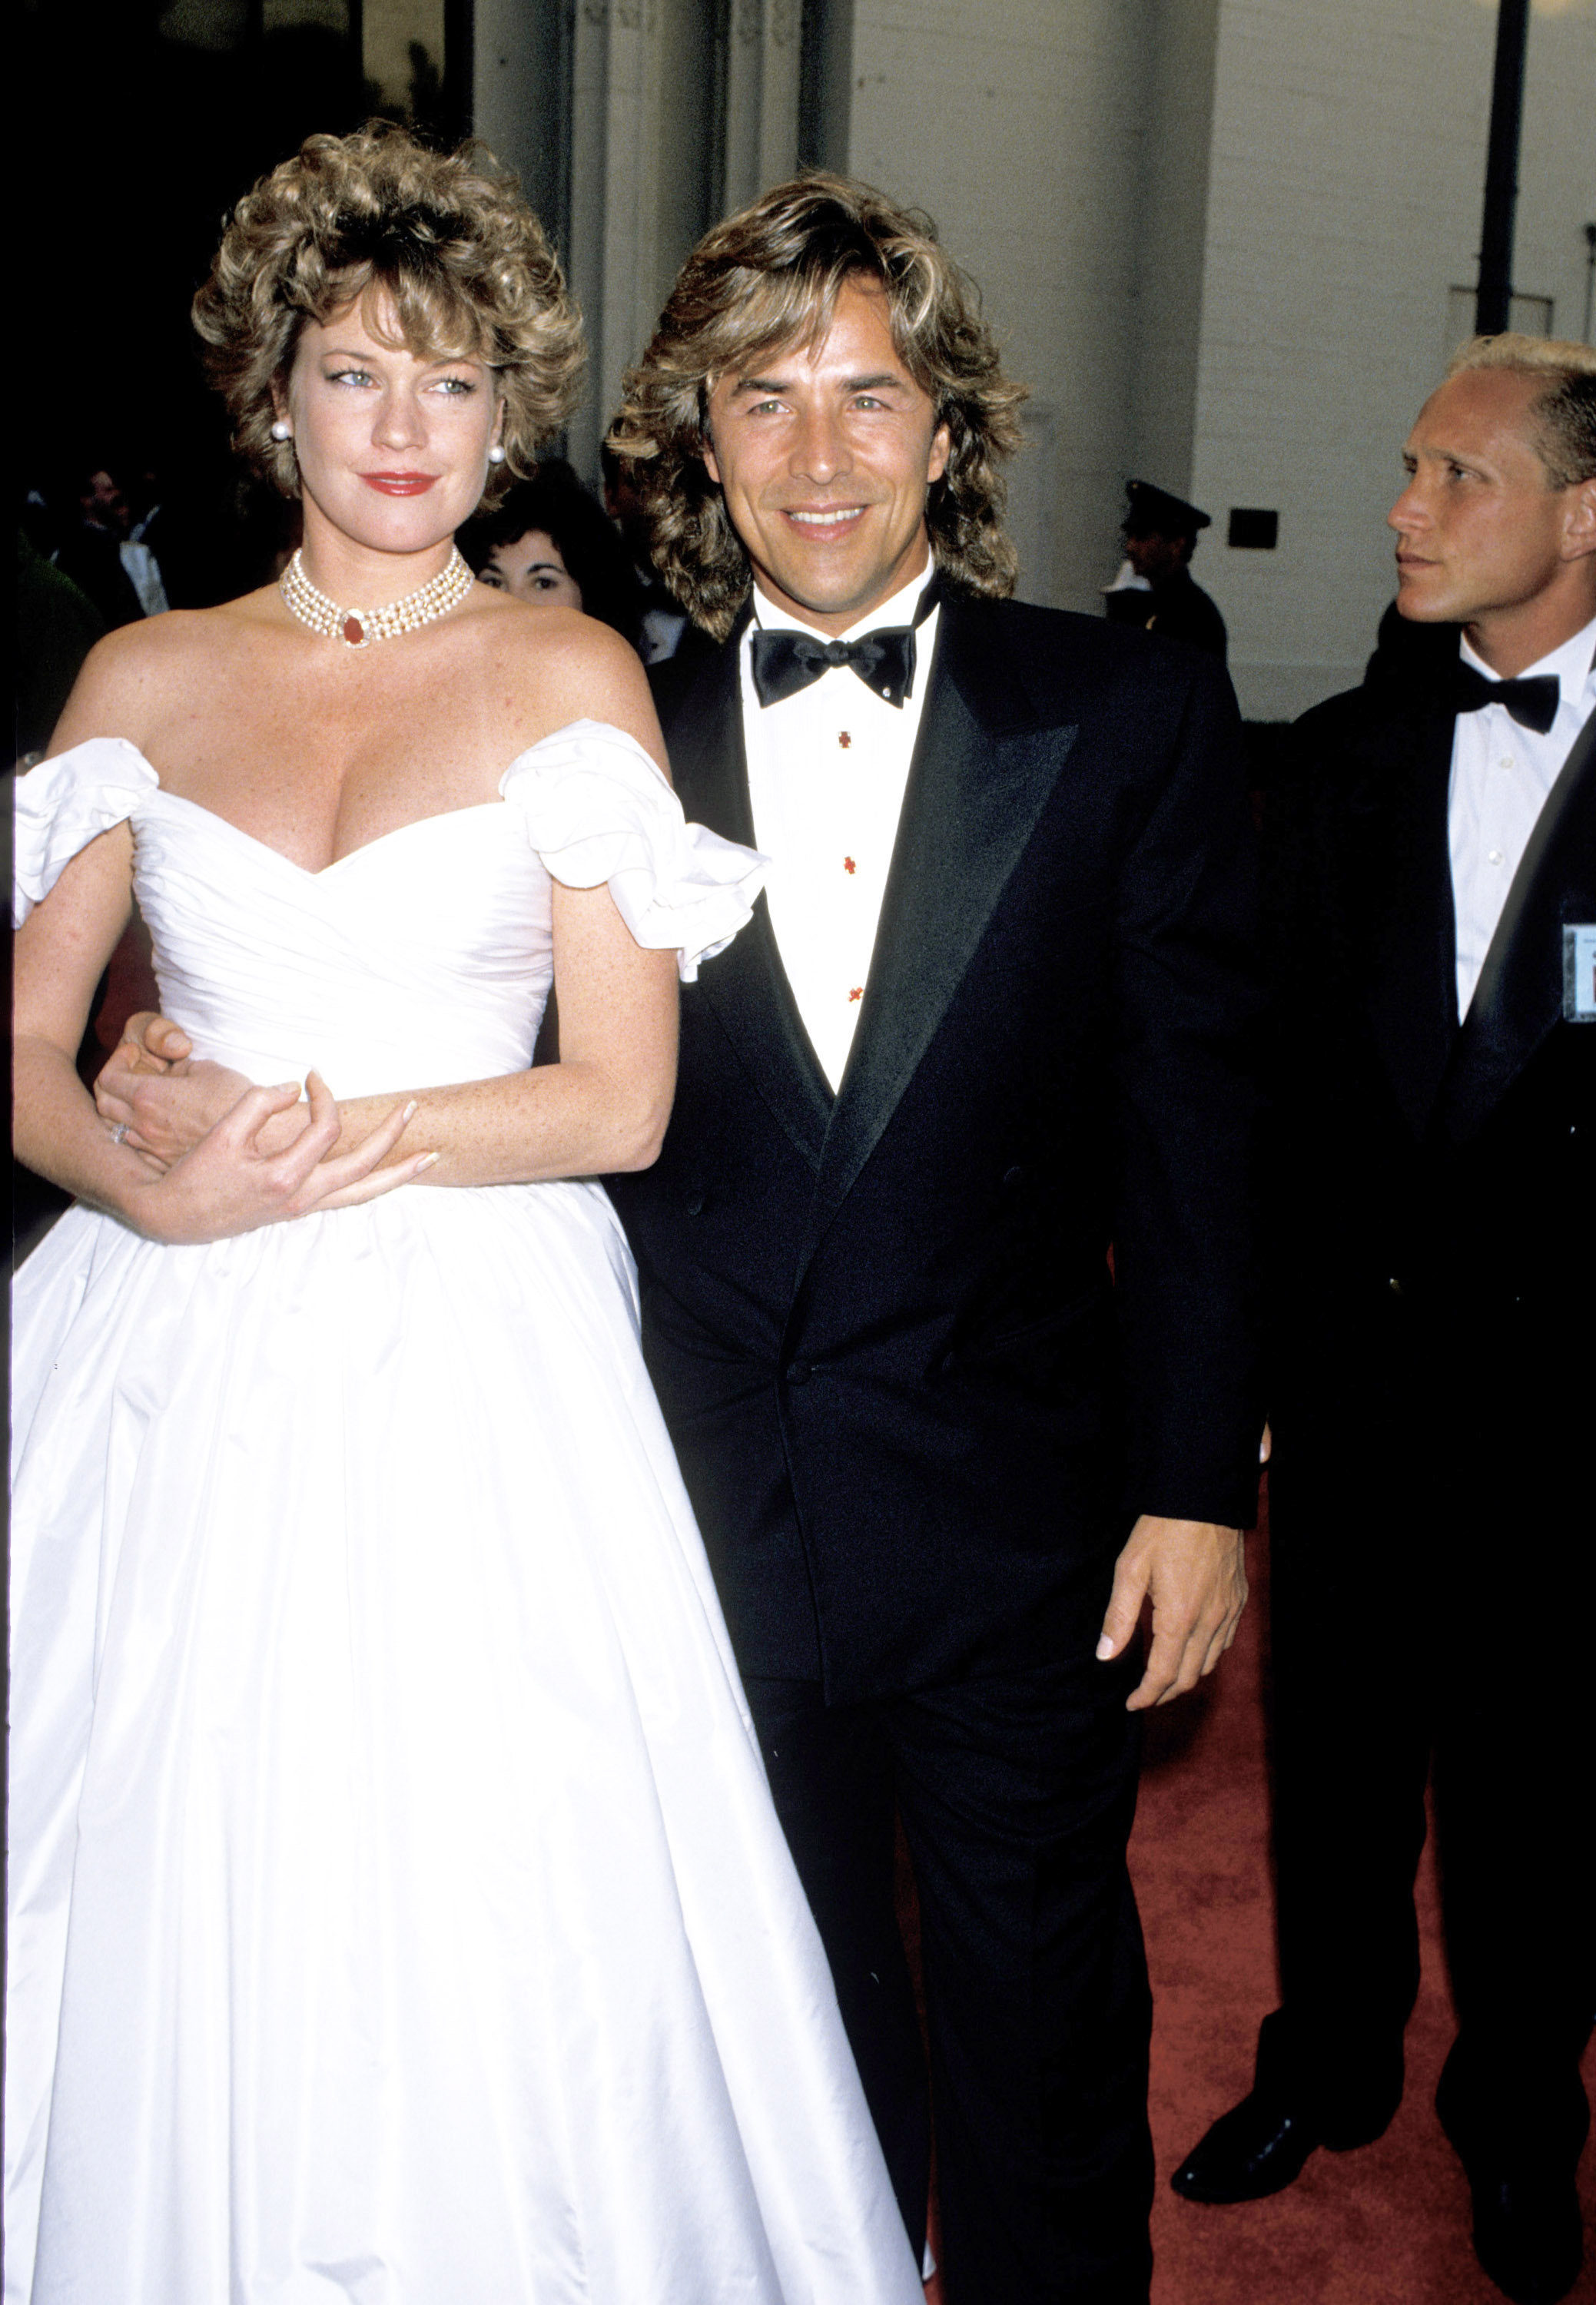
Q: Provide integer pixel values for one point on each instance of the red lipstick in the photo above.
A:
(400, 484)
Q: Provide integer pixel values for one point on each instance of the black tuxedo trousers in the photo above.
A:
(916, 1411)
(1433, 1208)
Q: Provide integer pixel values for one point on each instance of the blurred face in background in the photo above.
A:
(1153, 556)
(531, 569)
(105, 506)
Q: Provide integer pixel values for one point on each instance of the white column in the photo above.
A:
(641, 164)
(515, 96)
(762, 97)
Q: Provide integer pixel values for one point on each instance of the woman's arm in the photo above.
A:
(230, 1182)
(603, 1107)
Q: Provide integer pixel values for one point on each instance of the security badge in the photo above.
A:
(1579, 972)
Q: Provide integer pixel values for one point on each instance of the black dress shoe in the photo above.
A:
(1528, 2231)
(1528, 2236)
(1257, 2148)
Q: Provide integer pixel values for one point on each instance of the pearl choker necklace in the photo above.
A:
(359, 628)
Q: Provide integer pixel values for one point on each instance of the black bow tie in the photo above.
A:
(1532, 704)
(784, 663)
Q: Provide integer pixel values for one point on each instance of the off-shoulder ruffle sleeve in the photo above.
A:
(597, 809)
(64, 804)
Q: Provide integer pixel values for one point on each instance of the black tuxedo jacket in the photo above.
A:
(1432, 1184)
(911, 1406)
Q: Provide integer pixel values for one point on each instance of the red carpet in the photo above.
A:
(1388, 2225)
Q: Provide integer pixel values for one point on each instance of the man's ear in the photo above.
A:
(1579, 529)
(706, 449)
(942, 448)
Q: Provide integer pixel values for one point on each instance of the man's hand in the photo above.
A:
(1195, 1574)
(150, 1044)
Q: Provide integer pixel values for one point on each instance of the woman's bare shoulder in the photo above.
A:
(559, 666)
(134, 678)
(551, 638)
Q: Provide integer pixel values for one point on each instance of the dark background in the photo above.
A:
(132, 145)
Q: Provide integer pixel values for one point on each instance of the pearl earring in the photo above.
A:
(496, 453)
(282, 429)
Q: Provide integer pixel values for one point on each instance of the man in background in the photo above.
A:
(100, 553)
(663, 621)
(1159, 592)
(1431, 894)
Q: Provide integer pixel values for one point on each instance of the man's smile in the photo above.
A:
(828, 521)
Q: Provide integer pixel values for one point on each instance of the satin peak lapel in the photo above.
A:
(1519, 997)
(979, 783)
(746, 985)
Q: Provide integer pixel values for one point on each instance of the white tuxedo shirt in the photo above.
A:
(827, 772)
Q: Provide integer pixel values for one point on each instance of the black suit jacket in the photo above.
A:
(1177, 608)
(911, 1407)
(1432, 1183)
(91, 558)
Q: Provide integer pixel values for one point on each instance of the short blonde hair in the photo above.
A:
(442, 243)
(1564, 413)
(770, 277)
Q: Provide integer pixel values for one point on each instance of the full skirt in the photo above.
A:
(398, 1910)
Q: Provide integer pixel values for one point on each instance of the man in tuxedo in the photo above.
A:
(1431, 894)
(989, 1030)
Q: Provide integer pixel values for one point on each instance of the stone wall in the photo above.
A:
(1220, 240)
(1344, 202)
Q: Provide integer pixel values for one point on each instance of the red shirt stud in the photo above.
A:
(857, 993)
(848, 865)
(843, 738)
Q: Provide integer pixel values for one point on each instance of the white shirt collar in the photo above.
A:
(1571, 663)
(901, 609)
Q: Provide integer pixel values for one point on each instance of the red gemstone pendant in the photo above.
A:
(354, 630)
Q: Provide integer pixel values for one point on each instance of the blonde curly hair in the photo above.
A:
(769, 276)
(441, 243)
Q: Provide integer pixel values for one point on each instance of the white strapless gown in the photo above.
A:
(398, 1910)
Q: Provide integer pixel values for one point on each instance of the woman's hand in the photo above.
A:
(228, 1184)
(166, 1102)
(163, 1100)
(164, 1118)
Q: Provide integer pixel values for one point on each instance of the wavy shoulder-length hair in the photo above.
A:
(770, 277)
(438, 245)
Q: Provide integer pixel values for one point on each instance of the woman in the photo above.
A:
(551, 545)
(398, 1912)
